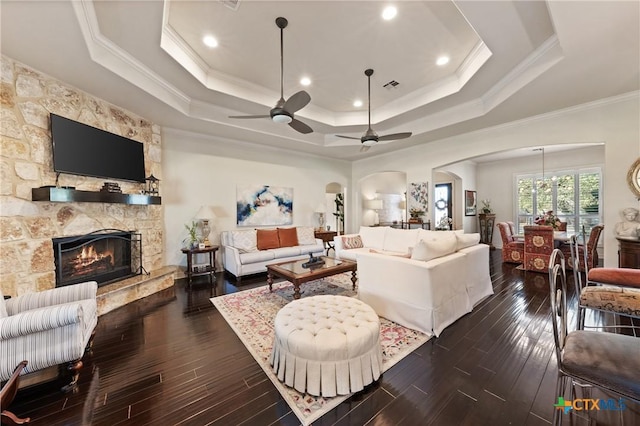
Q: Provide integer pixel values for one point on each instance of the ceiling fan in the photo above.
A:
(283, 111)
(370, 138)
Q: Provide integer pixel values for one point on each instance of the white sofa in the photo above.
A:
(425, 295)
(241, 257)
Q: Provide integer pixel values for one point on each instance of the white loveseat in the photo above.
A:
(241, 255)
(425, 295)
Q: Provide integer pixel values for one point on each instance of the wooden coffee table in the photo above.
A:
(297, 274)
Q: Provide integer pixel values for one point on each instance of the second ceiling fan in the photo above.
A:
(370, 137)
(283, 111)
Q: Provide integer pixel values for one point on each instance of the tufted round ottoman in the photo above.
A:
(327, 345)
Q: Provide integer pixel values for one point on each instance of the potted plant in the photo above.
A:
(486, 207)
(192, 240)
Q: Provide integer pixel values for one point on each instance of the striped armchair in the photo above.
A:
(47, 328)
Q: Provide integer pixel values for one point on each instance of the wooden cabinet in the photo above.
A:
(628, 252)
(487, 222)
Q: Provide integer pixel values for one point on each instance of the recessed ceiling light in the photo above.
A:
(305, 81)
(357, 103)
(389, 12)
(210, 41)
(442, 60)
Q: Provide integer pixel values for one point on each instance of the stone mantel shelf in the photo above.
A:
(66, 195)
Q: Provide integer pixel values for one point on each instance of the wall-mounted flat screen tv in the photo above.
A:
(84, 150)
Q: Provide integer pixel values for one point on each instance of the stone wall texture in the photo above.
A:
(26, 227)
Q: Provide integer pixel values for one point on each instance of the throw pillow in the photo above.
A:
(373, 236)
(244, 241)
(349, 243)
(426, 250)
(288, 237)
(267, 239)
(306, 235)
(466, 240)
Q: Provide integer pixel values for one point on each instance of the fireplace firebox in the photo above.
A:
(104, 256)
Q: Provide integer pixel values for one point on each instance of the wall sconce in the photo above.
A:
(204, 216)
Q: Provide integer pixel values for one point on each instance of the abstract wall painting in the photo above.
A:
(264, 205)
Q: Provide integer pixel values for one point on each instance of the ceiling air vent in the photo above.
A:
(231, 4)
(390, 85)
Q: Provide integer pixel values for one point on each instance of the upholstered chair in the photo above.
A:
(512, 250)
(606, 360)
(591, 250)
(538, 245)
(47, 328)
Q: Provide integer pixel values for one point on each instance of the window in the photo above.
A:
(562, 193)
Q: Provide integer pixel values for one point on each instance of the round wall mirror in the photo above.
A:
(633, 178)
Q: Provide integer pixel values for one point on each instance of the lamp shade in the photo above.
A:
(205, 212)
(374, 204)
(322, 208)
(333, 188)
(402, 205)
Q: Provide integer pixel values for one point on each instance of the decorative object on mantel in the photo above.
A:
(111, 187)
(629, 227)
(153, 185)
(470, 203)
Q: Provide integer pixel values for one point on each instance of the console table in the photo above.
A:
(628, 252)
(208, 269)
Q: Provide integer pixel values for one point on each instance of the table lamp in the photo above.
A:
(321, 209)
(204, 216)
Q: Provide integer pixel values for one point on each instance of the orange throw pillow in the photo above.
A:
(288, 237)
(267, 239)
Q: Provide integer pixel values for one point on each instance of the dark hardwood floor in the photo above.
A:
(171, 359)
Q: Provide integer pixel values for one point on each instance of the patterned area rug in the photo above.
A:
(251, 313)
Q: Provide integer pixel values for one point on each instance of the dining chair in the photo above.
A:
(588, 253)
(605, 360)
(610, 290)
(538, 245)
(512, 249)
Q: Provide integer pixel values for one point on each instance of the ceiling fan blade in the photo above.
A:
(300, 126)
(297, 101)
(348, 137)
(394, 136)
(249, 116)
(365, 148)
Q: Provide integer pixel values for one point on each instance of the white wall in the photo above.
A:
(616, 122)
(199, 170)
(374, 186)
(496, 179)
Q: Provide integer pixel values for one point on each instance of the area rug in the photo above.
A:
(250, 314)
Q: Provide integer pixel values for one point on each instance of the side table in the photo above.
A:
(327, 238)
(209, 269)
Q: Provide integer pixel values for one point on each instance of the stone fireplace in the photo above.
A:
(29, 225)
(103, 256)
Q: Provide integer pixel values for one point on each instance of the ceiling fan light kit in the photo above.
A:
(283, 111)
(370, 138)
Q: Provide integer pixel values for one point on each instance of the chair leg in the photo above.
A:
(557, 413)
(8, 418)
(74, 367)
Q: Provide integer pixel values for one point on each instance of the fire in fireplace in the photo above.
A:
(104, 256)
